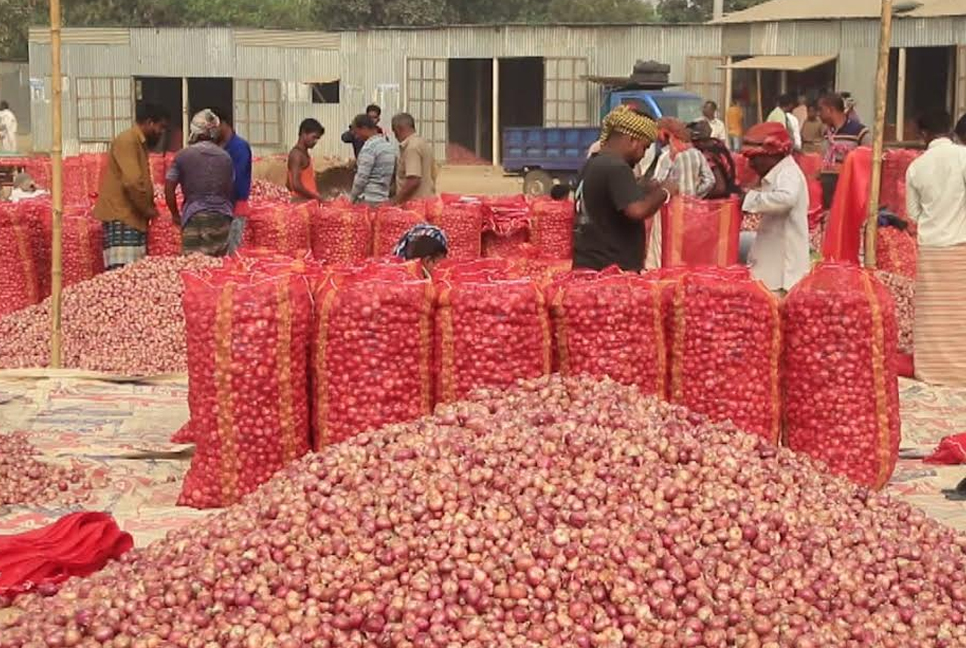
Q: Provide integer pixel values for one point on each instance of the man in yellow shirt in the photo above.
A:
(125, 202)
(735, 118)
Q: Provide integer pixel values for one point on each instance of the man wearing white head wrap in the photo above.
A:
(206, 175)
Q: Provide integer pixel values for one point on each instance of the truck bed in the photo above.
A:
(551, 149)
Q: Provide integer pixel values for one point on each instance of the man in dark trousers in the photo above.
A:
(610, 205)
(351, 137)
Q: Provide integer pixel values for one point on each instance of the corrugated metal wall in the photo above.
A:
(371, 65)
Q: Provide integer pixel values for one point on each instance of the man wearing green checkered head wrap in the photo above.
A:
(611, 207)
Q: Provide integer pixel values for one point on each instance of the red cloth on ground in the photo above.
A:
(849, 208)
(78, 544)
(906, 366)
(951, 451)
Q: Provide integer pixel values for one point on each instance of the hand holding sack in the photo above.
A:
(248, 342)
(609, 324)
(342, 233)
(842, 394)
(371, 352)
(700, 232)
(725, 350)
(489, 333)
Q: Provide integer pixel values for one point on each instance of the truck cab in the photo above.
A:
(545, 156)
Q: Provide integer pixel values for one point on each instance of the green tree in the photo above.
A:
(678, 11)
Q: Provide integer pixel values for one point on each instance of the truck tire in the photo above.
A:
(537, 183)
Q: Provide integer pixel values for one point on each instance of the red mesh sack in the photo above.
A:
(247, 343)
(83, 247)
(489, 334)
(342, 233)
(506, 226)
(388, 226)
(285, 228)
(898, 252)
(462, 224)
(35, 215)
(19, 275)
(427, 208)
(159, 168)
(164, 237)
(892, 189)
(725, 351)
(372, 355)
(810, 164)
(39, 169)
(454, 270)
(607, 324)
(841, 388)
(700, 232)
(903, 291)
(76, 190)
(552, 228)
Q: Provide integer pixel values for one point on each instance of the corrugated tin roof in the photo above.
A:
(837, 9)
(87, 35)
(781, 63)
(291, 39)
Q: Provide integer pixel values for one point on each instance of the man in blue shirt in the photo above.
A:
(241, 158)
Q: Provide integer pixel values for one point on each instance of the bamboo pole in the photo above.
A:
(56, 186)
(881, 91)
(761, 109)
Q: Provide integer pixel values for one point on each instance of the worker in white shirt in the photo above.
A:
(782, 114)
(710, 114)
(936, 202)
(779, 257)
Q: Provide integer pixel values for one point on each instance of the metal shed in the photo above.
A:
(504, 75)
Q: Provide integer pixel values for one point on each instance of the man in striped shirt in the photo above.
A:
(375, 164)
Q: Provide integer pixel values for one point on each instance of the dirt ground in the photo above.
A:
(478, 180)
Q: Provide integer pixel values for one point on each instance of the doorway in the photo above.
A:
(470, 114)
(214, 93)
(164, 92)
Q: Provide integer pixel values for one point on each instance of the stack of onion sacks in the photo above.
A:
(609, 324)
(552, 227)
(248, 343)
(164, 236)
(281, 227)
(20, 283)
(342, 233)
(725, 350)
(841, 387)
(489, 333)
(371, 351)
(389, 224)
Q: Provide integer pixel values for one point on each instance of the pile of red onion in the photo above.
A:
(903, 291)
(26, 481)
(126, 321)
(563, 513)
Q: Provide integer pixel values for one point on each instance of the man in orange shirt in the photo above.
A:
(735, 119)
(301, 172)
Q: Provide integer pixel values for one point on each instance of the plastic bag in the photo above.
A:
(342, 233)
(609, 324)
(389, 226)
(462, 223)
(489, 334)
(372, 354)
(842, 395)
(552, 229)
(700, 232)
(248, 343)
(725, 350)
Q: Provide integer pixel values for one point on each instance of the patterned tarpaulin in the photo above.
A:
(120, 433)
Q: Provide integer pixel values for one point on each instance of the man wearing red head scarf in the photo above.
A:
(780, 255)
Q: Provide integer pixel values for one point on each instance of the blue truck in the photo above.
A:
(545, 156)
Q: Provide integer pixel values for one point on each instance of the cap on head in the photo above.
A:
(205, 125)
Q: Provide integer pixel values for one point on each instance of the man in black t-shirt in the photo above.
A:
(610, 205)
